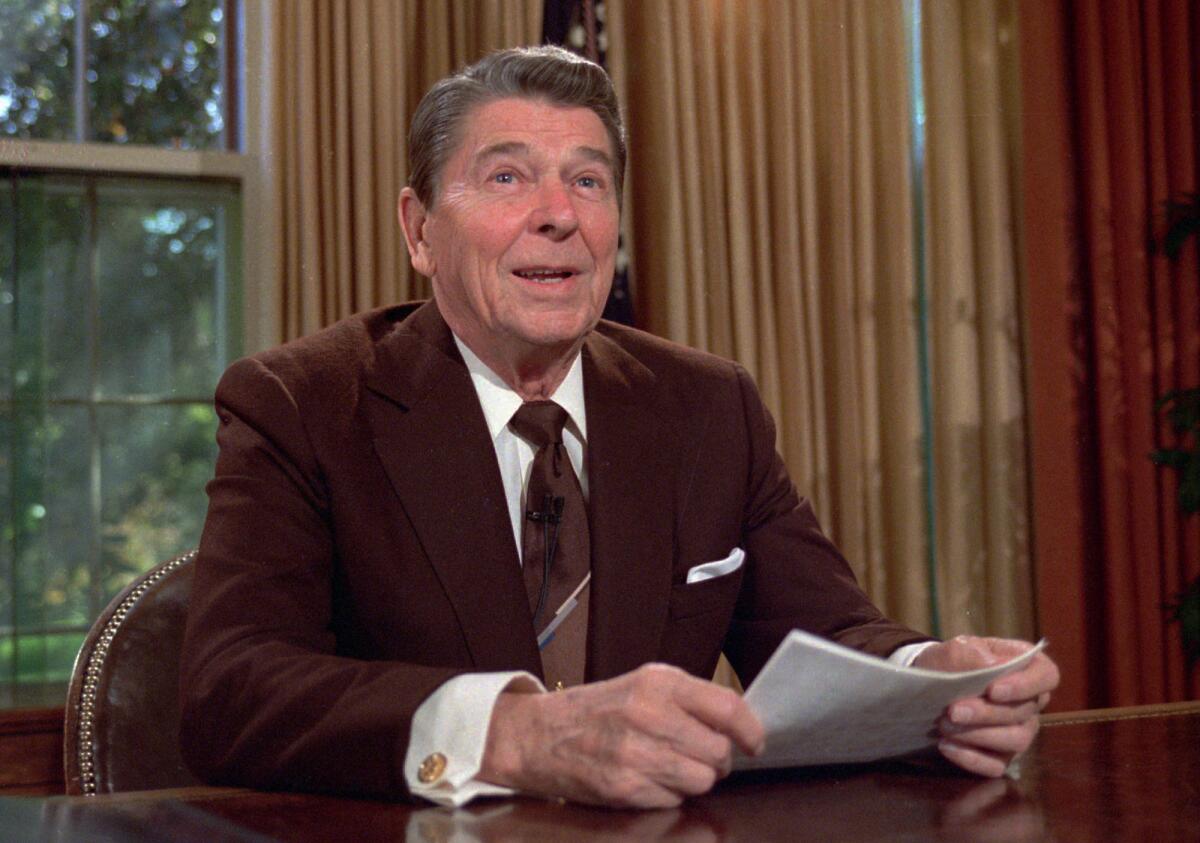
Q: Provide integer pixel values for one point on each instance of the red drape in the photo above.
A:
(1110, 130)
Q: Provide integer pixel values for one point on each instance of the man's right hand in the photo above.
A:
(646, 739)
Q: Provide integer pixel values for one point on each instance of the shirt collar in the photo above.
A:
(499, 401)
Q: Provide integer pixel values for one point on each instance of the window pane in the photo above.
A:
(37, 669)
(156, 461)
(161, 274)
(8, 524)
(52, 331)
(49, 538)
(121, 313)
(154, 72)
(52, 517)
(36, 57)
(8, 234)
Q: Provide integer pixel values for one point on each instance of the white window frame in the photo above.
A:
(253, 169)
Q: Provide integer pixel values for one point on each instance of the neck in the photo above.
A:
(533, 372)
(537, 380)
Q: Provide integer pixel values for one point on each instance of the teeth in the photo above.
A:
(543, 273)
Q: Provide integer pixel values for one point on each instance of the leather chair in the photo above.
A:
(122, 715)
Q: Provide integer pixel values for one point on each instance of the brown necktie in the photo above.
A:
(556, 549)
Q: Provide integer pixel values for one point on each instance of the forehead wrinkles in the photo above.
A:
(505, 126)
(479, 131)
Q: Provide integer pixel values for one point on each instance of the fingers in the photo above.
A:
(703, 721)
(967, 652)
(684, 734)
(981, 762)
(1005, 648)
(987, 750)
(1002, 740)
(976, 711)
(1010, 699)
(984, 734)
(1039, 677)
(647, 739)
(680, 774)
(723, 711)
(682, 729)
(963, 652)
(692, 739)
(627, 789)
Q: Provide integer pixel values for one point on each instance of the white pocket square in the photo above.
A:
(711, 570)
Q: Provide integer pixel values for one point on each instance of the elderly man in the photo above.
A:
(425, 515)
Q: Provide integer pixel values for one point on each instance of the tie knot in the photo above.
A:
(541, 422)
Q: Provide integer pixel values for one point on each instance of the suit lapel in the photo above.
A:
(432, 439)
(630, 475)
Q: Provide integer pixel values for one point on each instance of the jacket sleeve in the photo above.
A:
(795, 577)
(266, 699)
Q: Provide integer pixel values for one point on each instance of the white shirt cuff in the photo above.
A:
(449, 734)
(906, 655)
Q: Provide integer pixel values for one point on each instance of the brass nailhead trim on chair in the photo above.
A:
(95, 668)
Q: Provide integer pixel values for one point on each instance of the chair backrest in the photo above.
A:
(122, 716)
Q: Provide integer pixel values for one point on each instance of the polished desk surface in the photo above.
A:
(1123, 774)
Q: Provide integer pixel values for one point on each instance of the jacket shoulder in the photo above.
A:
(673, 365)
(330, 364)
(339, 349)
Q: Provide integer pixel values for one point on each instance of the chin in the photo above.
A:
(558, 332)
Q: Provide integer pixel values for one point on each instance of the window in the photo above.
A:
(121, 242)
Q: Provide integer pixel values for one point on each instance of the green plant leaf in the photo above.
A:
(1186, 610)
(1189, 485)
(1183, 414)
(1178, 234)
(1171, 458)
(1183, 221)
(1183, 409)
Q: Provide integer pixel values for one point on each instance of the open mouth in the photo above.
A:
(545, 275)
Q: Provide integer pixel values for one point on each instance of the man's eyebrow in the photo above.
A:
(598, 155)
(589, 153)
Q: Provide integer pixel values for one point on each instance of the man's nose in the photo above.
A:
(554, 213)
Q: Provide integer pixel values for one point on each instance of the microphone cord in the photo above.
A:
(550, 516)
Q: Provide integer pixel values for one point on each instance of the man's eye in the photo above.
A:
(589, 182)
(504, 178)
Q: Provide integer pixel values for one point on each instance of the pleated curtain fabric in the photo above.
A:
(982, 524)
(771, 219)
(1113, 93)
(350, 74)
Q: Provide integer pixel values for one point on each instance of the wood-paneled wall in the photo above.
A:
(31, 752)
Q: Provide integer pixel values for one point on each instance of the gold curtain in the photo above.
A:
(771, 220)
(349, 75)
(983, 543)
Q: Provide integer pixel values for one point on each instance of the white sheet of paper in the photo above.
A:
(822, 703)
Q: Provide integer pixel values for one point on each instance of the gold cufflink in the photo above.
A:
(559, 686)
(431, 768)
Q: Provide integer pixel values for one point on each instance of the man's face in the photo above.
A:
(522, 239)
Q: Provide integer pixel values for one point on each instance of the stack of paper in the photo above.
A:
(822, 703)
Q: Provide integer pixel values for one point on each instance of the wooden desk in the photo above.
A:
(1128, 774)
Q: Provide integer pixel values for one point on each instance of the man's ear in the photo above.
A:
(413, 217)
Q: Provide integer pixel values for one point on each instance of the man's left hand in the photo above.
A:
(984, 734)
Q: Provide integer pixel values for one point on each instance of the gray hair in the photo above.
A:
(553, 74)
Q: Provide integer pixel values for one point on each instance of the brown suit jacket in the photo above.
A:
(358, 550)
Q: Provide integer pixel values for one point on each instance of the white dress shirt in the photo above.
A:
(499, 402)
(454, 719)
